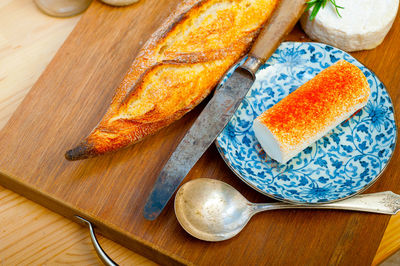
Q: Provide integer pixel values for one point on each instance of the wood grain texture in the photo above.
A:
(390, 243)
(278, 225)
(31, 234)
(21, 24)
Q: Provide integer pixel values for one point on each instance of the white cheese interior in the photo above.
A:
(268, 141)
(283, 153)
(363, 23)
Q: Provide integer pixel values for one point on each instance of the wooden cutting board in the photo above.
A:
(70, 98)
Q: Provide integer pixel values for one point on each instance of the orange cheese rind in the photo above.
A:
(311, 111)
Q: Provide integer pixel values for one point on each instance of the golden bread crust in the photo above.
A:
(176, 69)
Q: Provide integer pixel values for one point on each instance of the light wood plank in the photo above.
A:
(28, 41)
(390, 242)
(33, 235)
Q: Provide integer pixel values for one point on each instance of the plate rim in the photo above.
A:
(227, 162)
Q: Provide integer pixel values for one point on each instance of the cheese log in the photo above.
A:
(176, 69)
(363, 23)
(311, 111)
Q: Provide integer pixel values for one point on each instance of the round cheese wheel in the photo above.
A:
(120, 2)
(363, 23)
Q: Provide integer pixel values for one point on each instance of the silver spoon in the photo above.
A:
(212, 210)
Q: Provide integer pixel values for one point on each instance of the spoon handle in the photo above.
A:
(382, 202)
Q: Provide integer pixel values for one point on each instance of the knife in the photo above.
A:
(221, 107)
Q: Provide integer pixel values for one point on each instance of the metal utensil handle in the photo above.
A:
(382, 202)
(100, 252)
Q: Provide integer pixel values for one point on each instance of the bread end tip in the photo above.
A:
(78, 153)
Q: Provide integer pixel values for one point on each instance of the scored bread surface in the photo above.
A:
(176, 69)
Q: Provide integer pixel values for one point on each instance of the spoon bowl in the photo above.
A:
(212, 210)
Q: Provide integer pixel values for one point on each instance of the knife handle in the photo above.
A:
(281, 23)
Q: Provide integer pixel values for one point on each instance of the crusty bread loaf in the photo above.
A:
(311, 111)
(176, 69)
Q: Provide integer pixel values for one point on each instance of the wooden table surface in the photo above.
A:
(29, 233)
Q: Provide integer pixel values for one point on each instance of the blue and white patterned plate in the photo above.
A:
(343, 163)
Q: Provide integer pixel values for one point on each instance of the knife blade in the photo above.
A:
(221, 107)
(207, 126)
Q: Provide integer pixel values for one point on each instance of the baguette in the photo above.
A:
(176, 69)
(311, 111)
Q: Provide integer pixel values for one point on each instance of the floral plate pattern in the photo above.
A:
(341, 164)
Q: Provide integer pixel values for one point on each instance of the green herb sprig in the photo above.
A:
(316, 5)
